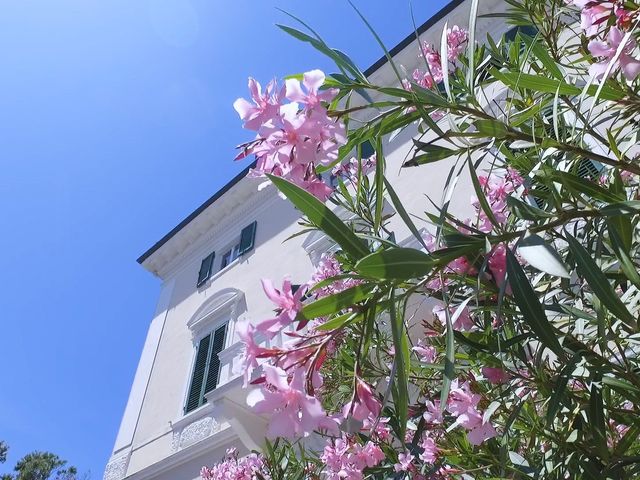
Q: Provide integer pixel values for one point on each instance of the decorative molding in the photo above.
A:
(225, 305)
(215, 227)
(116, 469)
(194, 432)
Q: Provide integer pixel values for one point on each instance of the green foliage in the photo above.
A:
(562, 319)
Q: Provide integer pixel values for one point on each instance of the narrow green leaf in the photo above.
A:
(589, 270)
(444, 60)
(322, 217)
(471, 47)
(396, 263)
(492, 128)
(402, 363)
(379, 41)
(560, 388)
(480, 195)
(621, 386)
(621, 251)
(543, 56)
(379, 185)
(597, 425)
(337, 322)
(399, 207)
(449, 358)
(548, 85)
(631, 207)
(526, 211)
(587, 187)
(337, 302)
(531, 309)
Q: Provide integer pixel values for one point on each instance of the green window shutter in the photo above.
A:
(197, 379)
(214, 362)
(587, 169)
(247, 238)
(206, 267)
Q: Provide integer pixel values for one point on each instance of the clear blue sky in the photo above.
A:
(116, 122)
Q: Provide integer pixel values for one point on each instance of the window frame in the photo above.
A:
(209, 333)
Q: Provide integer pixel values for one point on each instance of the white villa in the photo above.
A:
(187, 404)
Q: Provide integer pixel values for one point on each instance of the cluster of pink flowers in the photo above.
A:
(286, 388)
(251, 467)
(288, 304)
(496, 190)
(292, 138)
(345, 458)
(463, 404)
(351, 169)
(328, 267)
(605, 40)
(293, 412)
(457, 39)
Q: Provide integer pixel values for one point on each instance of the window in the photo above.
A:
(206, 369)
(244, 244)
(528, 30)
(206, 268)
(230, 256)
(366, 149)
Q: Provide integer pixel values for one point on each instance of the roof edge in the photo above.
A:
(439, 15)
(195, 213)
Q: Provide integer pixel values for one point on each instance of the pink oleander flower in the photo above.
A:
(353, 167)
(464, 321)
(363, 403)
(329, 267)
(288, 303)
(495, 375)
(481, 433)
(312, 81)
(404, 462)
(433, 414)
(232, 468)
(293, 413)
(246, 332)
(426, 353)
(292, 138)
(430, 449)
(344, 459)
(463, 404)
(594, 16)
(629, 66)
(381, 432)
(457, 39)
(498, 264)
(266, 104)
(627, 177)
(624, 18)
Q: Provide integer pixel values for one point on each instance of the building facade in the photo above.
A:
(187, 404)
